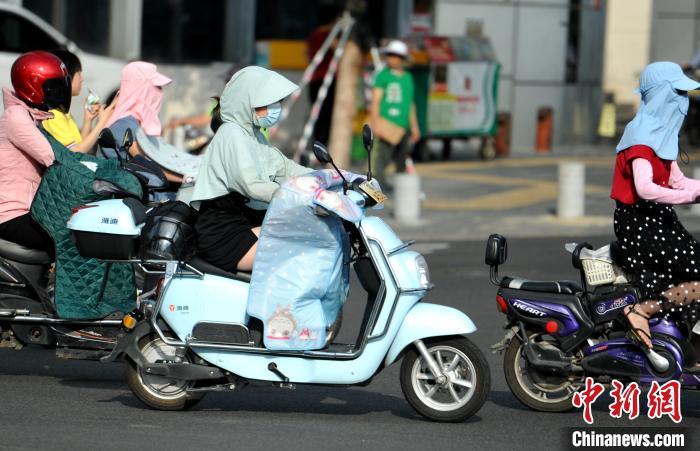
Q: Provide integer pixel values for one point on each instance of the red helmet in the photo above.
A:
(41, 80)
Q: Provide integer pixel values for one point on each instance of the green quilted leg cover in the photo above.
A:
(66, 184)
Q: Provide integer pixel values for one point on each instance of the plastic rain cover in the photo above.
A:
(301, 274)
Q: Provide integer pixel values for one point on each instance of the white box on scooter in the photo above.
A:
(107, 229)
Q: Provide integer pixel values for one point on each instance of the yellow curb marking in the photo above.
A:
(526, 192)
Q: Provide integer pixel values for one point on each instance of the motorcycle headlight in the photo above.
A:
(423, 272)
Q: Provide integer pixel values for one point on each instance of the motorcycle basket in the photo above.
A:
(598, 272)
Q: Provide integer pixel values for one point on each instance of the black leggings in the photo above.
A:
(23, 230)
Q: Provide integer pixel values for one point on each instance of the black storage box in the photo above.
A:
(106, 246)
(108, 229)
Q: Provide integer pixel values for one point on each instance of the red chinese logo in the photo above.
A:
(662, 400)
(665, 400)
(625, 400)
(586, 397)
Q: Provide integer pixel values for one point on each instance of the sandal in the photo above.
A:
(634, 332)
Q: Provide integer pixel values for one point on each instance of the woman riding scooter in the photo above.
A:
(655, 246)
(40, 82)
(241, 170)
(138, 105)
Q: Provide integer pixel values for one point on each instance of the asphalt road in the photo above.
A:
(47, 403)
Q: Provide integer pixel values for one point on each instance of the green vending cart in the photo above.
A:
(456, 81)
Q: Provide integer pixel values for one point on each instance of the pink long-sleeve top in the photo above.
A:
(640, 174)
(24, 155)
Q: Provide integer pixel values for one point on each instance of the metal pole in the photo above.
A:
(239, 31)
(407, 198)
(125, 21)
(572, 187)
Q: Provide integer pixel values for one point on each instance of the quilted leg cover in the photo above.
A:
(79, 280)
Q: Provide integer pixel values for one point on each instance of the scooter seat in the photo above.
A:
(207, 268)
(553, 286)
(15, 252)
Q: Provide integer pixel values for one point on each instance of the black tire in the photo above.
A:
(480, 386)
(512, 363)
(147, 394)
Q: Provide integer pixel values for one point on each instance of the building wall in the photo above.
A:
(675, 30)
(627, 47)
(530, 41)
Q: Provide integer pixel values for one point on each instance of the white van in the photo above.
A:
(22, 31)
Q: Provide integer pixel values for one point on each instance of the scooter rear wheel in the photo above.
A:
(538, 391)
(159, 392)
(461, 395)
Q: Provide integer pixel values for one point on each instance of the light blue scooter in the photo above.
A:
(196, 336)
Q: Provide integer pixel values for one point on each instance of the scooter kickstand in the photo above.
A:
(440, 377)
(285, 380)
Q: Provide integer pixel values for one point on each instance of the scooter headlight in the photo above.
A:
(423, 272)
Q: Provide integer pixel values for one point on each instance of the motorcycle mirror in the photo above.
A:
(367, 137)
(323, 156)
(321, 153)
(128, 139)
(106, 139)
(368, 141)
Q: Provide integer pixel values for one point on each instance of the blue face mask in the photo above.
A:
(273, 115)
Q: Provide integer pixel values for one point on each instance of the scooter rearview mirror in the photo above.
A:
(128, 139)
(323, 156)
(106, 139)
(367, 137)
(368, 141)
(321, 153)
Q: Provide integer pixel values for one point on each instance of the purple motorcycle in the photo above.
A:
(560, 332)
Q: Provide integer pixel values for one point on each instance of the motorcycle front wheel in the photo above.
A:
(535, 389)
(159, 392)
(465, 389)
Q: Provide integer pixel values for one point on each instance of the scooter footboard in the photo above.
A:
(426, 320)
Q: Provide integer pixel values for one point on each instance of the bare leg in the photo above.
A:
(246, 263)
(678, 296)
(638, 317)
(683, 295)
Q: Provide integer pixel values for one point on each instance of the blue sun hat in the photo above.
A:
(663, 108)
(665, 71)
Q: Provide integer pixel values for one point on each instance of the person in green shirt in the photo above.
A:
(393, 113)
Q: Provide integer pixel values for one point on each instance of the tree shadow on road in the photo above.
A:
(311, 400)
(39, 362)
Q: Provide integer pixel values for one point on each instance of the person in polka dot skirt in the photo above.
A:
(655, 248)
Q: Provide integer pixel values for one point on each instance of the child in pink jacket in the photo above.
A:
(40, 82)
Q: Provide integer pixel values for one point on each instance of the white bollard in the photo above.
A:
(178, 138)
(695, 208)
(407, 198)
(571, 201)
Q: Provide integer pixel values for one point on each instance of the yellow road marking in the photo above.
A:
(526, 191)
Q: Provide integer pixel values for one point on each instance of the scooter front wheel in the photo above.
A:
(463, 390)
(159, 392)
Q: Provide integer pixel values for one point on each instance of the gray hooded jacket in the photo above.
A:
(239, 158)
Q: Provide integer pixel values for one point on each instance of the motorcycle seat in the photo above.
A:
(543, 286)
(207, 268)
(18, 253)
